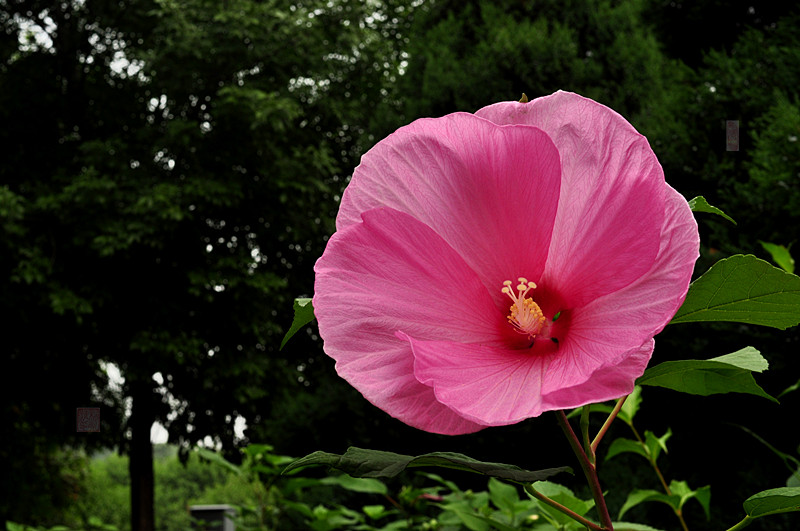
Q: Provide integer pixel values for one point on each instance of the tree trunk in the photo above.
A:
(141, 458)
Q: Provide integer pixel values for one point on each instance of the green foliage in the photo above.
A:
(680, 494)
(773, 501)
(650, 449)
(62, 480)
(478, 52)
(743, 289)
(641, 496)
(780, 255)
(303, 314)
(267, 499)
(731, 373)
(565, 497)
(12, 212)
(631, 406)
(171, 177)
(108, 491)
(356, 484)
(753, 78)
(94, 524)
(359, 462)
(699, 204)
(677, 493)
(176, 485)
(284, 500)
(626, 413)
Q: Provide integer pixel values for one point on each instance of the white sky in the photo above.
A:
(158, 433)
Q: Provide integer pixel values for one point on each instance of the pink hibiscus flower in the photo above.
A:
(489, 267)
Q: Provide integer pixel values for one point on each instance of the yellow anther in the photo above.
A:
(524, 315)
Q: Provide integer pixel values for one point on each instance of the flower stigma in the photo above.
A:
(524, 315)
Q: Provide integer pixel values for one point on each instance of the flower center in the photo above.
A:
(524, 315)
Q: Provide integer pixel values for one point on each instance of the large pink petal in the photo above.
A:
(609, 382)
(490, 192)
(387, 273)
(647, 305)
(489, 385)
(603, 331)
(625, 319)
(497, 386)
(610, 211)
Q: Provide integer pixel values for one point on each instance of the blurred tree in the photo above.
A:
(756, 83)
(467, 54)
(172, 173)
(464, 55)
(689, 30)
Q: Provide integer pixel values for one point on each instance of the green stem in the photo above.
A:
(741, 525)
(589, 470)
(587, 445)
(661, 478)
(652, 462)
(566, 510)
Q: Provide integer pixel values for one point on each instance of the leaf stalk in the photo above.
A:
(566, 510)
(746, 521)
(589, 470)
(661, 478)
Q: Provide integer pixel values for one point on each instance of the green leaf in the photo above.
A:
(565, 497)
(477, 521)
(503, 496)
(299, 507)
(794, 387)
(702, 495)
(641, 496)
(780, 255)
(622, 445)
(376, 512)
(362, 463)
(217, 459)
(626, 413)
(631, 406)
(743, 289)
(366, 485)
(436, 478)
(747, 358)
(794, 479)
(254, 449)
(303, 314)
(773, 501)
(467, 516)
(326, 519)
(628, 526)
(731, 373)
(656, 444)
(699, 204)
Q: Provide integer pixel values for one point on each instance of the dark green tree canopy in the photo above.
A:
(172, 173)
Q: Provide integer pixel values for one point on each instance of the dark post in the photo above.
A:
(141, 457)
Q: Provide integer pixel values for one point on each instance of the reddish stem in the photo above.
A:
(589, 470)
